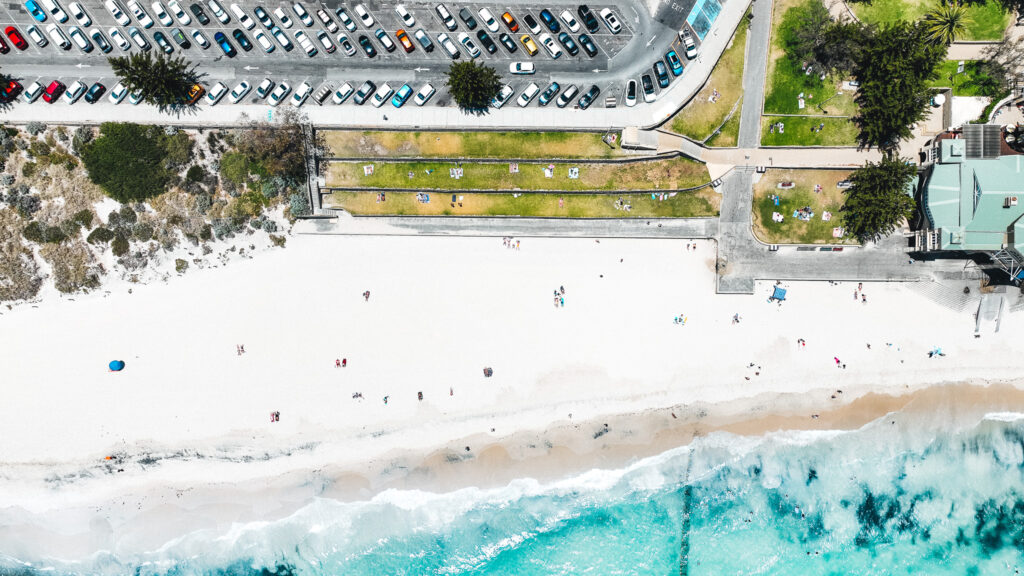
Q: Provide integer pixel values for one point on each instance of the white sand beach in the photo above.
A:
(87, 456)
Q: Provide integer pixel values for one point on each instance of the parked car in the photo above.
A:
(528, 95)
(162, 42)
(140, 14)
(406, 17)
(648, 88)
(528, 43)
(326, 20)
(286, 22)
(35, 11)
(567, 95)
(611, 21)
(9, 90)
(467, 17)
(661, 72)
(74, 92)
(548, 94)
(401, 96)
(367, 46)
(364, 15)
(424, 94)
(117, 38)
(345, 19)
(16, 38)
(197, 11)
(446, 17)
(488, 19)
(58, 37)
(588, 45)
(79, 14)
(279, 94)
(263, 17)
(117, 93)
(346, 45)
(300, 12)
(55, 10)
(242, 39)
(218, 11)
(161, 14)
(78, 37)
(307, 45)
(32, 92)
(325, 41)
(531, 24)
(95, 92)
(522, 68)
(424, 39)
(382, 95)
(570, 46)
(117, 12)
(570, 22)
(225, 45)
(549, 20)
(53, 91)
(448, 45)
(384, 40)
(365, 91)
(673, 62)
(243, 18)
(342, 93)
(489, 44)
(510, 22)
(549, 44)
(629, 93)
(468, 44)
(240, 91)
(587, 99)
(200, 39)
(264, 88)
(264, 41)
(689, 44)
(508, 43)
(589, 20)
(403, 39)
(503, 96)
(179, 12)
(36, 35)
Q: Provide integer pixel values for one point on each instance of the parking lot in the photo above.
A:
(615, 53)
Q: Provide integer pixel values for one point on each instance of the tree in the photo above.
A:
(802, 30)
(473, 85)
(946, 23)
(280, 149)
(128, 161)
(878, 201)
(163, 82)
(840, 47)
(895, 69)
(1014, 7)
(995, 72)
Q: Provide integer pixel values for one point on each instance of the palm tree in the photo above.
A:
(946, 23)
(163, 82)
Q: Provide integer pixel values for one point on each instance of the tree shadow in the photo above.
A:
(7, 101)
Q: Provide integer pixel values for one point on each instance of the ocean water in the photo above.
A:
(886, 499)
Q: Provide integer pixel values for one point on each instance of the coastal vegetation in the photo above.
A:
(541, 145)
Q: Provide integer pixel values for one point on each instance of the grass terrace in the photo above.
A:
(703, 202)
(729, 135)
(987, 20)
(544, 145)
(797, 131)
(972, 82)
(671, 174)
(793, 230)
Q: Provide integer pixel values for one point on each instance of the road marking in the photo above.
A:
(250, 68)
(651, 41)
(418, 69)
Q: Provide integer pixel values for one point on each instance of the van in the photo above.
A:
(446, 17)
(320, 95)
(58, 37)
(424, 40)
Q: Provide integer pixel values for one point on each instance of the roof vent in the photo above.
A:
(1009, 201)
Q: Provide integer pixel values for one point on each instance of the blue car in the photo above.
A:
(401, 96)
(673, 62)
(36, 12)
(226, 46)
(549, 21)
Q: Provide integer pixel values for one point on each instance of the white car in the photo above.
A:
(468, 45)
(570, 22)
(134, 98)
(382, 95)
(345, 20)
(405, 16)
(424, 95)
(179, 13)
(689, 45)
(161, 14)
(58, 37)
(282, 38)
(629, 94)
(346, 44)
(117, 38)
(239, 92)
(488, 19)
(342, 93)
(263, 41)
(243, 18)
(364, 15)
(611, 21)
(74, 92)
(528, 95)
(305, 43)
(55, 10)
(78, 37)
(503, 96)
(216, 93)
(301, 93)
(326, 20)
(140, 15)
(279, 94)
(33, 91)
(37, 36)
(218, 11)
(550, 46)
(200, 39)
(79, 14)
(286, 22)
(117, 93)
(304, 16)
(522, 68)
(139, 38)
(117, 12)
(263, 90)
(448, 45)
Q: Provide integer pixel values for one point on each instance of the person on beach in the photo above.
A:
(863, 299)
(337, 363)
(238, 349)
(344, 362)
(366, 296)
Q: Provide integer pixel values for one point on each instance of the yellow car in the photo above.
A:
(194, 94)
(531, 48)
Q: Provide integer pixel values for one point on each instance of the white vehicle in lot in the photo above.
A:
(688, 44)
(74, 92)
(243, 18)
(301, 93)
(117, 93)
(611, 21)
(79, 14)
(118, 38)
(161, 14)
(216, 93)
(570, 22)
(139, 39)
(218, 11)
(200, 39)
(346, 21)
(469, 45)
(58, 37)
(567, 96)
(448, 45)
(55, 10)
(78, 37)
(37, 36)
(346, 44)
(134, 98)
(179, 13)
(286, 22)
(629, 94)
(263, 41)
(488, 19)
(342, 93)
(549, 44)
(406, 17)
(263, 90)
(424, 95)
(528, 95)
(364, 15)
(140, 15)
(522, 68)
(326, 20)
(279, 94)
(305, 43)
(33, 91)
(282, 39)
(304, 16)
(117, 12)
(382, 95)
(503, 96)
(239, 91)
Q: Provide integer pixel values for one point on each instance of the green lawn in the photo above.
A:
(793, 230)
(730, 132)
(701, 116)
(972, 82)
(797, 131)
(704, 202)
(544, 145)
(988, 21)
(677, 173)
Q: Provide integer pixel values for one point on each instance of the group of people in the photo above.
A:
(509, 242)
(560, 297)
(680, 320)
(860, 292)
(240, 349)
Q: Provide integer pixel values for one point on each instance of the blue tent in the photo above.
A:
(116, 365)
(778, 294)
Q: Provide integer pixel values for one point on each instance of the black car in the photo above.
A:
(95, 93)
(549, 94)
(589, 20)
(197, 11)
(648, 86)
(467, 17)
(365, 91)
(180, 39)
(489, 44)
(587, 99)
(567, 41)
(549, 21)
(661, 71)
(530, 22)
(242, 40)
(162, 41)
(367, 46)
(588, 45)
(263, 17)
(508, 43)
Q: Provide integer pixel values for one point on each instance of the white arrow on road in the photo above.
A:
(418, 69)
(251, 68)
(80, 66)
(651, 41)
(596, 70)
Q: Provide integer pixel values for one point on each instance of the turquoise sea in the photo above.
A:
(886, 499)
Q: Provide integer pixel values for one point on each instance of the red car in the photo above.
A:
(53, 91)
(403, 39)
(4, 48)
(16, 38)
(10, 91)
(509, 21)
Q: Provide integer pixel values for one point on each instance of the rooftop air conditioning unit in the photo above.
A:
(1009, 201)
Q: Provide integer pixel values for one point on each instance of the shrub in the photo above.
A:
(39, 148)
(298, 205)
(73, 267)
(120, 245)
(195, 174)
(234, 167)
(34, 128)
(179, 149)
(128, 216)
(83, 218)
(128, 161)
(142, 232)
(28, 169)
(113, 219)
(270, 226)
(180, 265)
(39, 232)
(83, 135)
(6, 180)
(100, 235)
(206, 233)
(33, 232)
(27, 205)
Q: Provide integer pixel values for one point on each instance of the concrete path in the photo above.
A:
(754, 71)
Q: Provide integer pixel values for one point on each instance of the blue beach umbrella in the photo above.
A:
(116, 365)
